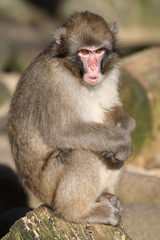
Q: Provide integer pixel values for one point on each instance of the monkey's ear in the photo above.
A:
(114, 28)
(59, 34)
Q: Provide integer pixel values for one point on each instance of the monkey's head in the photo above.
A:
(87, 45)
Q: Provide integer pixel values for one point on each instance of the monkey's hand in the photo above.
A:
(121, 119)
(127, 124)
(110, 157)
(121, 148)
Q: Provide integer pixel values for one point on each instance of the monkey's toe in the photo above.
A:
(113, 213)
(114, 201)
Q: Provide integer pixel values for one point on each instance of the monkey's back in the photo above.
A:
(29, 121)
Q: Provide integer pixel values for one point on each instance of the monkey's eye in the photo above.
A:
(100, 51)
(84, 52)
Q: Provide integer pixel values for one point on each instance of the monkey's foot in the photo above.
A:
(114, 201)
(107, 210)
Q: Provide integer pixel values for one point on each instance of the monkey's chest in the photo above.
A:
(92, 112)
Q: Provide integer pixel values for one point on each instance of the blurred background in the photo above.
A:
(27, 26)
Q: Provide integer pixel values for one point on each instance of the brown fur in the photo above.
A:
(58, 126)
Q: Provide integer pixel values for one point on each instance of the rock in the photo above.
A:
(7, 86)
(139, 188)
(136, 104)
(19, 44)
(141, 221)
(8, 218)
(144, 69)
(42, 224)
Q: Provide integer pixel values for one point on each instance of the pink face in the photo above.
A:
(91, 58)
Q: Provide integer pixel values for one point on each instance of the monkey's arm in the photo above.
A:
(94, 137)
(118, 117)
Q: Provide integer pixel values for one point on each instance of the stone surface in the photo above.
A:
(42, 224)
(142, 221)
(139, 188)
(144, 68)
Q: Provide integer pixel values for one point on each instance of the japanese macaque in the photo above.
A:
(68, 131)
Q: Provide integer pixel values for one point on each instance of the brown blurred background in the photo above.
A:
(26, 26)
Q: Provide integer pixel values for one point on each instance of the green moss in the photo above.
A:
(136, 104)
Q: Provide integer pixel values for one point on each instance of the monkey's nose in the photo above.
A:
(92, 63)
(93, 66)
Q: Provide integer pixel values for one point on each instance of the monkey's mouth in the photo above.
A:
(93, 80)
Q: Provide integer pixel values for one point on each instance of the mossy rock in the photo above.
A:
(137, 105)
(42, 224)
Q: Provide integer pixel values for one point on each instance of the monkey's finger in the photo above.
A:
(108, 154)
(113, 160)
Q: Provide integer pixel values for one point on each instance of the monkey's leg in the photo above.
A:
(78, 196)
